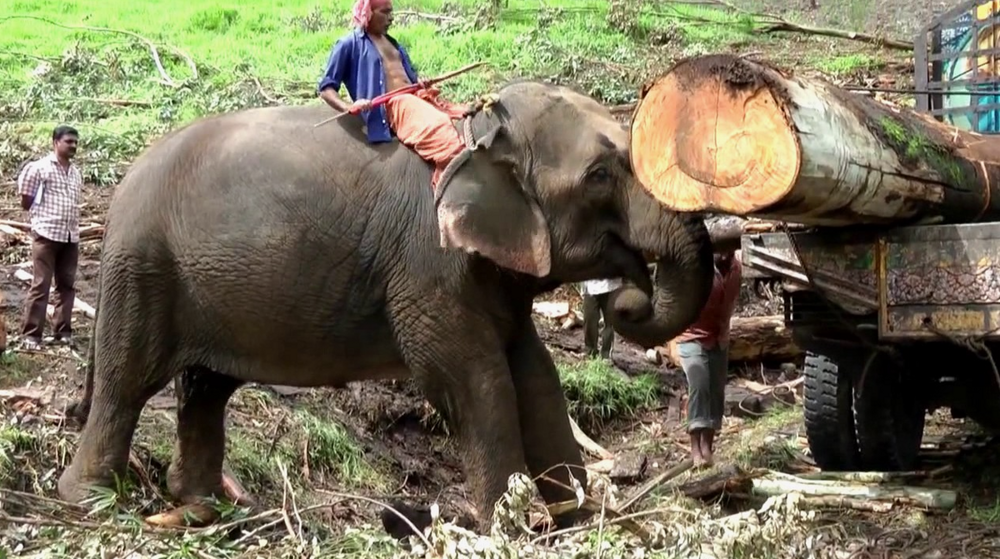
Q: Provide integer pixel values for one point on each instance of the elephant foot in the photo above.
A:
(564, 520)
(400, 529)
(75, 488)
(192, 490)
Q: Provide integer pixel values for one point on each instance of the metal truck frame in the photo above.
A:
(899, 322)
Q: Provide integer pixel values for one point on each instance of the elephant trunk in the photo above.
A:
(684, 274)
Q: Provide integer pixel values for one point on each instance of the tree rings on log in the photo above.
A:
(713, 133)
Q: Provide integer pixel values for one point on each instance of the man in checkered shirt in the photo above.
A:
(50, 191)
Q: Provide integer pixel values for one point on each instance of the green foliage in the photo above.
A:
(90, 63)
(257, 453)
(597, 392)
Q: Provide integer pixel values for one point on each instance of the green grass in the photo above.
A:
(16, 369)
(250, 54)
(596, 392)
(760, 446)
(841, 65)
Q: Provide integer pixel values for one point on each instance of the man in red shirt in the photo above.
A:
(704, 354)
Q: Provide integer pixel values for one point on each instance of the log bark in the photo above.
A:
(752, 339)
(720, 133)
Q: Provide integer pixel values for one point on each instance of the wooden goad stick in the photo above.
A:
(381, 99)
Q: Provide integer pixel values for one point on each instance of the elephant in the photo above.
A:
(252, 246)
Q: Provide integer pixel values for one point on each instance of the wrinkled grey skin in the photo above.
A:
(252, 247)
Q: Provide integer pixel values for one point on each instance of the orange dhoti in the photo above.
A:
(423, 123)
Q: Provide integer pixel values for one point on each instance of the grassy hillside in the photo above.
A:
(90, 62)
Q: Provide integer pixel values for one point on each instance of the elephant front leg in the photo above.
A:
(470, 385)
(549, 446)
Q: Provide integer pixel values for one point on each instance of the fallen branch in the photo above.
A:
(19, 225)
(864, 477)
(729, 479)
(116, 102)
(782, 25)
(165, 77)
(776, 483)
(779, 24)
(656, 482)
(587, 443)
(841, 502)
(11, 227)
(591, 505)
(13, 232)
(436, 18)
(78, 304)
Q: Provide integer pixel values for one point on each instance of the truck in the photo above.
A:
(897, 322)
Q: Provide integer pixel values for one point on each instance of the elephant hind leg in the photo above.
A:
(195, 470)
(126, 376)
(134, 357)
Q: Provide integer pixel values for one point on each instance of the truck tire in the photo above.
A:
(829, 414)
(889, 418)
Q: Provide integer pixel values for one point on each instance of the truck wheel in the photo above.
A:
(829, 415)
(889, 418)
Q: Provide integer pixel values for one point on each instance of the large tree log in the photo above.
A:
(720, 133)
(752, 339)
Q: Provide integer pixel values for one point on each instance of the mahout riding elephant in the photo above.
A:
(255, 247)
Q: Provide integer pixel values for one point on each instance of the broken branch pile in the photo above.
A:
(22, 231)
(721, 133)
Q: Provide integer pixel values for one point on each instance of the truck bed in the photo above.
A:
(923, 281)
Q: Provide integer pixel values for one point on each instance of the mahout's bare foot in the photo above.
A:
(697, 456)
(707, 443)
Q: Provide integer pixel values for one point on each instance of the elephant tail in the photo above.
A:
(80, 409)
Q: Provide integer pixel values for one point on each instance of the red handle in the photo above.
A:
(381, 99)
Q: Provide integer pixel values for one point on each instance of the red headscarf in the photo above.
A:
(363, 11)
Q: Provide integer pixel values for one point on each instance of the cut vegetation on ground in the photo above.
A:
(323, 463)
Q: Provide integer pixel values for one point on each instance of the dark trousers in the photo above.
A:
(51, 260)
(594, 307)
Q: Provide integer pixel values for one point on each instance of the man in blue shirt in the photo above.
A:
(369, 62)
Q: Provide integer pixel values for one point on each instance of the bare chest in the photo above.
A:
(388, 52)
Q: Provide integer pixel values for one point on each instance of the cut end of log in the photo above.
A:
(713, 134)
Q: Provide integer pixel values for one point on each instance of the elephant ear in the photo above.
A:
(483, 208)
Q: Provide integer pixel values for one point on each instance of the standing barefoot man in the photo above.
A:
(704, 353)
(369, 62)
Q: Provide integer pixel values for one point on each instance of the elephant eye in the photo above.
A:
(599, 174)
